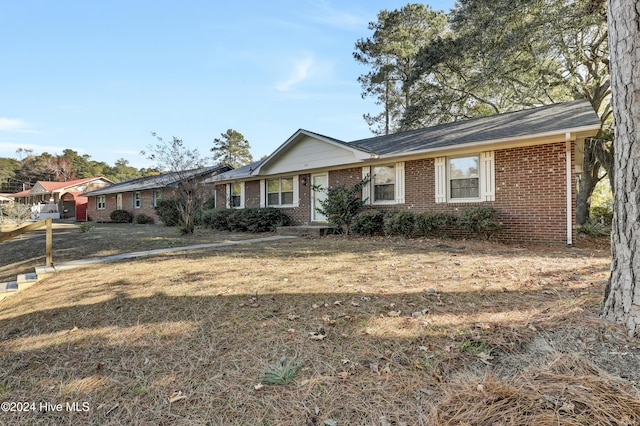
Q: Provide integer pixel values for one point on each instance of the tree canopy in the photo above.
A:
(496, 57)
(232, 149)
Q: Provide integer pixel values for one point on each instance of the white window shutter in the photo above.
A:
(366, 189)
(488, 180)
(399, 186)
(242, 195)
(228, 197)
(296, 191)
(441, 179)
(263, 193)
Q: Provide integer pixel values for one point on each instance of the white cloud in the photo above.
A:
(299, 73)
(330, 15)
(15, 125)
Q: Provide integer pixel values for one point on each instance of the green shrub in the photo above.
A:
(143, 219)
(428, 224)
(341, 204)
(602, 214)
(87, 226)
(400, 222)
(281, 372)
(120, 216)
(368, 222)
(479, 220)
(217, 219)
(257, 219)
(594, 228)
(167, 211)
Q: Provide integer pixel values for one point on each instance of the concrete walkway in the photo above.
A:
(26, 280)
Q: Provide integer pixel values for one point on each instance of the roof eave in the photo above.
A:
(538, 138)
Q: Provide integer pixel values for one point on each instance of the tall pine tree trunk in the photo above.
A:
(622, 297)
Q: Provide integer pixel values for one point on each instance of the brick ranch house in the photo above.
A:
(141, 195)
(524, 164)
(60, 199)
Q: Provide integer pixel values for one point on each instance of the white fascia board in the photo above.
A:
(538, 138)
(359, 154)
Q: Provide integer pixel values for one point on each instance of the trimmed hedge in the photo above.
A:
(167, 211)
(482, 221)
(120, 216)
(245, 220)
(368, 222)
(143, 219)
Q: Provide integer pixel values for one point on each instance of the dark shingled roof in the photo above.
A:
(545, 119)
(164, 180)
(239, 173)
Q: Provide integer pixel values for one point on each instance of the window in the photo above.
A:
(119, 201)
(101, 202)
(280, 191)
(384, 183)
(155, 197)
(137, 200)
(464, 177)
(236, 195)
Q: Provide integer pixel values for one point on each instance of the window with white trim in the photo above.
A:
(235, 195)
(386, 184)
(119, 201)
(464, 177)
(155, 197)
(137, 200)
(101, 202)
(469, 178)
(280, 191)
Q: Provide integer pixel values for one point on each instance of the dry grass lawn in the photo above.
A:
(384, 331)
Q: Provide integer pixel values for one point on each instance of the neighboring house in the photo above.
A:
(524, 164)
(141, 195)
(4, 198)
(60, 199)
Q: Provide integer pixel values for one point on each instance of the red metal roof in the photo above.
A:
(52, 186)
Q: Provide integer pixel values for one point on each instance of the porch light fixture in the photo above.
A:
(304, 181)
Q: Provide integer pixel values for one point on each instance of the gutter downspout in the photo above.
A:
(569, 190)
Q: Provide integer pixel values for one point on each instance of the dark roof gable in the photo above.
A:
(164, 180)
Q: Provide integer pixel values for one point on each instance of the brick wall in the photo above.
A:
(530, 193)
(103, 215)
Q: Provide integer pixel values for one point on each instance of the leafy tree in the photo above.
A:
(622, 295)
(232, 149)
(8, 172)
(342, 204)
(508, 54)
(173, 156)
(391, 52)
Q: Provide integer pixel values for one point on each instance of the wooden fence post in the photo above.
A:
(49, 242)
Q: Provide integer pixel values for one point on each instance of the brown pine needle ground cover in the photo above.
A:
(380, 332)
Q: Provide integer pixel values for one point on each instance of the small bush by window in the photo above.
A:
(167, 211)
(430, 224)
(480, 220)
(368, 222)
(245, 220)
(400, 222)
(120, 216)
(143, 219)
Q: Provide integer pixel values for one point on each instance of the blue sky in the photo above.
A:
(99, 77)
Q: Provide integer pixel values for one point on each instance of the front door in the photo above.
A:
(322, 181)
